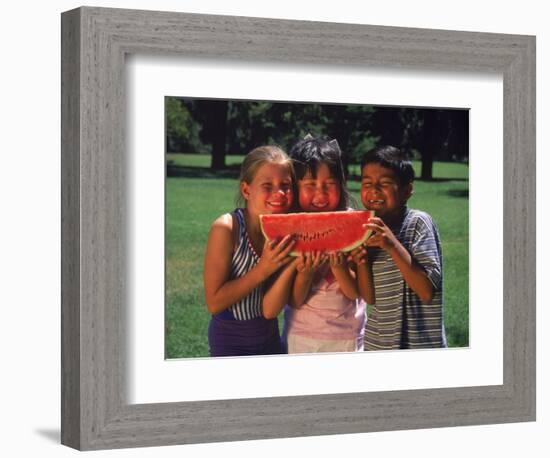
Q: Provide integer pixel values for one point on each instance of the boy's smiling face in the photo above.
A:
(382, 191)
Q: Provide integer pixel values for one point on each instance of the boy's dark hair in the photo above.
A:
(392, 158)
(308, 153)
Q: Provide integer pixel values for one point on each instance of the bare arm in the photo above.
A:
(306, 266)
(340, 269)
(221, 292)
(301, 288)
(412, 273)
(365, 281)
(277, 295)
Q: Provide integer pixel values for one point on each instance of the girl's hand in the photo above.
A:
(337, 260)
(309, 262)
(382, 236)
(343, 275)
(358, 255)
(275, 255)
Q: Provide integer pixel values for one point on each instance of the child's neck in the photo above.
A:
(394, 217)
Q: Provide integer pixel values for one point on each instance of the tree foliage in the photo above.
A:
(221, 127)
(182, 129)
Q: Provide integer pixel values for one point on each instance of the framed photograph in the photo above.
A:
(107, 89)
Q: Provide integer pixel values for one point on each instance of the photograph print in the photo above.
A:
(298, 227)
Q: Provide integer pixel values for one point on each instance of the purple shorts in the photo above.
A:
(244, 338)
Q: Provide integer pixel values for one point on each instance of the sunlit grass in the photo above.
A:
(193, 203)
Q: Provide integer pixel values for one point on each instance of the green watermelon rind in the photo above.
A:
(359, 242)
(344, 250)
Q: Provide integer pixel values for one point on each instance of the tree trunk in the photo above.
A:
(218, 131)
(431, 135)
(427, 166)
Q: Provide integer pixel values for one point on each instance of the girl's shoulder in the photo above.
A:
(224, 221)
(226, 225)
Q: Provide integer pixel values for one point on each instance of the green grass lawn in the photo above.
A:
(193, 202)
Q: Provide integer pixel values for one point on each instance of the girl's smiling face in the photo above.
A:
(319, 194)
(270, 191)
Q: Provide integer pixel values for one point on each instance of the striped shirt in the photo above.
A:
(244, 259)
(399, 319)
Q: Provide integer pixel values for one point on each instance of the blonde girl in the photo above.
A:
(239, 264)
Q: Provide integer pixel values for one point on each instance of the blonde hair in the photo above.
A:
(255, 159)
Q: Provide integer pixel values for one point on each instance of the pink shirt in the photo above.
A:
(327, 313)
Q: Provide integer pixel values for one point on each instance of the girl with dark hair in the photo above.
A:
(326, 313)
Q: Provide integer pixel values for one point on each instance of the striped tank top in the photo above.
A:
(244, 259)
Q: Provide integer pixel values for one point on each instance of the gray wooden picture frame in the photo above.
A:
(95, 412)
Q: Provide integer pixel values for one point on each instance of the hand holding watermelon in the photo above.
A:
(382, 236)
(309, 262)
(358, 255)
(275, 255)
(337, 260)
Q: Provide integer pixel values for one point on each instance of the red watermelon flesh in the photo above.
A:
(324, 231)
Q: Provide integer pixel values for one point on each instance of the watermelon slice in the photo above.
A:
(324, 231)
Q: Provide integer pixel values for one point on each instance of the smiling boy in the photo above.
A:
(404, 254)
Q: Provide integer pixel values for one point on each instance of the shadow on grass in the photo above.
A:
(179, 171)
(232, 171)
(355, 177)
(460, 193)
(457, 337)
(441, 179)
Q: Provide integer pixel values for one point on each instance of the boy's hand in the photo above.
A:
(309, 262)
(382, 236)
(358, 255)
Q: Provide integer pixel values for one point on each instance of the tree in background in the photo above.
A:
(223, 127)
(211, 115)
(182, 129)
(428, 133)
